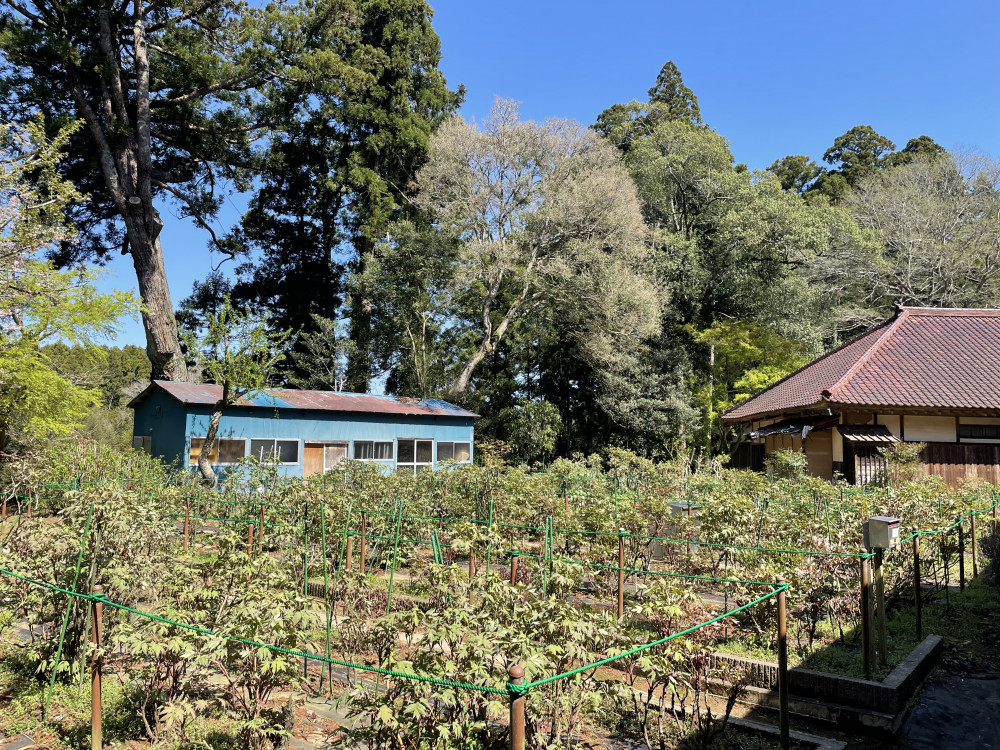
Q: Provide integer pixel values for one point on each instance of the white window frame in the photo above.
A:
(326, 444)
(298, 452)
(415, 465)
(390, 443)
(452, 443)
(192, 438)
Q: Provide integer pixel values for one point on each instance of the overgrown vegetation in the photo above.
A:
(417, 611)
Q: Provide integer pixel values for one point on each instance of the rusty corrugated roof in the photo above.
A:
(285, 398)
(924, 357)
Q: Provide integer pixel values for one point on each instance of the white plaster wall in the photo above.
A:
(921, 429)
(891, 421)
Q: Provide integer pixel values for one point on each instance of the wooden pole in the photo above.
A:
(690, 532)
(349, 555)
(187, 521)
(250, 541)
(961, 557)
(96, 736)
(975, 566)
(472, 563)
(621, 573)
(917, 598)
(866, 624)
(782, 666)
(513, 568)
(883, 655)
(364, 531)
(516, 675)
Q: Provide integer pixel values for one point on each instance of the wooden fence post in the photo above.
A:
(349, 555)
(690, 532)
(513, 568)
(866, 624)
(516, 675)
(917, 598)
(250, 541)
(96, 736)
(621, 573)
(880, 622)
(364, 532)
(972, 527)
(961, 556)
(782, 665)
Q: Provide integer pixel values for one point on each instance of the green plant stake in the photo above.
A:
(69, 605)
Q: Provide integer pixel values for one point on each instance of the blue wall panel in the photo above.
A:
(260, 422)
(161, 417)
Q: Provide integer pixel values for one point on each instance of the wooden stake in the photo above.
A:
(96, 736)
(516, 675)
(364, 531)
(866, 624)
(513, 568)
(917, 598)
(782, 666)
(350, 552)
(975, 566)
(961, 557)
(250, 541)
(883, 655)
(621, 573)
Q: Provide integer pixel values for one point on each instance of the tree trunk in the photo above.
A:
(126, 166)
(162, 344)
(204, 462)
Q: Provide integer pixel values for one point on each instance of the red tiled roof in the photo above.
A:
(924, 357)
(284, 398)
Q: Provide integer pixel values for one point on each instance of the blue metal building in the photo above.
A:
(307, 431)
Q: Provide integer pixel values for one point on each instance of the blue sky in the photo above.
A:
(774, 77)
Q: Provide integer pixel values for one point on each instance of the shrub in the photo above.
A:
(989, 545)
(786, 465)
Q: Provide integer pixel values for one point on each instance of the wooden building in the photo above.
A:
(306, 432)
(927, 375)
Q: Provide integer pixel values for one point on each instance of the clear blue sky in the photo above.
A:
(775, 77)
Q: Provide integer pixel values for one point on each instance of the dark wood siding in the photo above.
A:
(954, 462)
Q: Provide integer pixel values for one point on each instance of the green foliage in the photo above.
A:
(785, 464)
(238, 351)
(38, 303)
(531, 428)
(903, 462)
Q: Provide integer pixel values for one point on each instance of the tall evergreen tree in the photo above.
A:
(172, 94)
(343, 170)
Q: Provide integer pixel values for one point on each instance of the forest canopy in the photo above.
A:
(615, 283)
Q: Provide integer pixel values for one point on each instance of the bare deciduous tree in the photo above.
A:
(546, 216)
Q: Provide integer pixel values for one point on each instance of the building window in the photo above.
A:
(226, 451)
(284, 451)
(979, 431)
(143, 443)
(372, 450)
(414, 455)
(458, 452)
